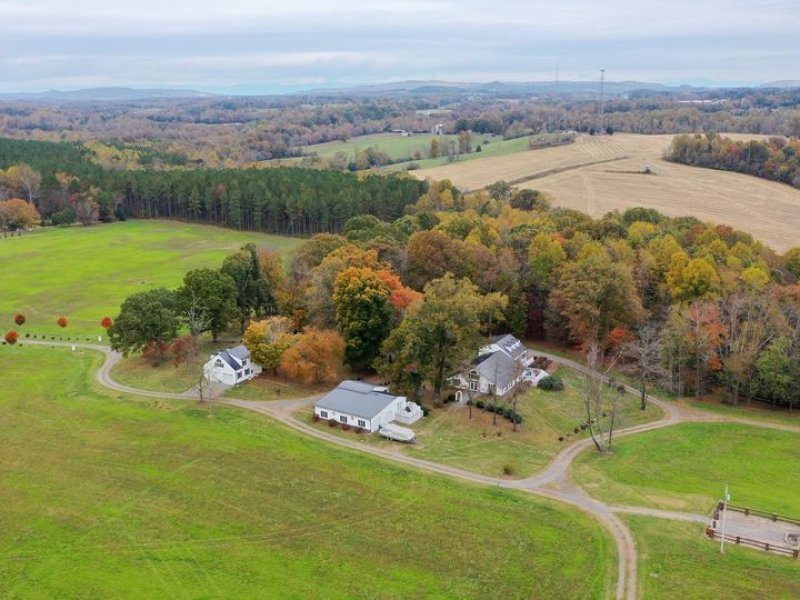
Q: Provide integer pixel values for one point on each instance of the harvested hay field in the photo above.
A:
(600, 174)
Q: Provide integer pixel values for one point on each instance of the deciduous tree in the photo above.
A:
(145, 318)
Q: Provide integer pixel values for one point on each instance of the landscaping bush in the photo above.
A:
(425, 411)
(480, 404)
(331, 423)
(345, 426)
(509, 469)
(315, 418)
(450, 398)
(551, 383)
(490, 408)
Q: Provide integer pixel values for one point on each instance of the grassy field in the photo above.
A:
(85, 273)
(687, 467)
(576, 179)
(105, 497)
(405, 148)
(677, 561)
(448, 435)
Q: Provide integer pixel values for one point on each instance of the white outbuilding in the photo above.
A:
(366, 406)
(231, 366)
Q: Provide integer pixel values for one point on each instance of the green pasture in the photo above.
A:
(110, 497)
(677, 561)
(686, 467)
(84, 273)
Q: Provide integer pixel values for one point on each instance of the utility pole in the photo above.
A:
(602, 100)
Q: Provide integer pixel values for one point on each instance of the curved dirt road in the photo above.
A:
(553, 483)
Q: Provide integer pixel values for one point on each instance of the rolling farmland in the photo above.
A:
(600, 174)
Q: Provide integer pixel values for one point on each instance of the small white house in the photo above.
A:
(366, 406)
(231, 366)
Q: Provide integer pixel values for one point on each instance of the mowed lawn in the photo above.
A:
(686, 467)
(106, 497)
(677, 561)
(479, 444)
(84, 273)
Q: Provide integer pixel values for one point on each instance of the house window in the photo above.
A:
(474, 376)
(343, 418)
(362, 424)
(239, 375)
(492, 388)
(244, 361)
(473, 385)
(218, 364)
(247, 371)
(323, 414)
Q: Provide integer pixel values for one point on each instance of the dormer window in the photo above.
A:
(218, 363)
(474, 376)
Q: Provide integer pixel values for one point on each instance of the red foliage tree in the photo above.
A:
(19, 319)
(184, 348)
(156, 352)
(106, 322)
(62, 322)
(11, 337)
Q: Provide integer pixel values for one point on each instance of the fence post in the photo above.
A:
(746, 512)
(774, 517)
(796, 553)
(766, 547)
(738, 540)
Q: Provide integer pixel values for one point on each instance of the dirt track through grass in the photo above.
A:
(577, 178)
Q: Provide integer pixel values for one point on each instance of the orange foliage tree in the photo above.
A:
(316, 357)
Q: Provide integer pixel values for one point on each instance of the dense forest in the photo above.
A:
(777, 159)
(242, 131)
(67, 186)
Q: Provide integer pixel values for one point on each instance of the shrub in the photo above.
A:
(11, 337)
(345, 427)
(561, 438)
(359, 429)
(425, 411)
(315, 418)
(19, 319)
(331, 423)
(28, 335)
(62, 322)
(551, 383)
(509, 469)
(490, 408)
(480, 404)
(106, 322)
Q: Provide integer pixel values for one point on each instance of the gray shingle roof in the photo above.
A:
(234, 356)
(498, 368)
(356, 398)
(510, 345)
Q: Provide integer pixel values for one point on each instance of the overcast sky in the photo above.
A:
(265, 46)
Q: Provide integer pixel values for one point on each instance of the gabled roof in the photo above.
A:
(357, 398)
(498, 368)
(510, 345)
(234, 356)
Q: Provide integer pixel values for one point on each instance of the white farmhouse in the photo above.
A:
(500, 365)
(231, 366)
(369, 407)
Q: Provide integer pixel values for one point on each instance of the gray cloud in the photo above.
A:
(277, 45)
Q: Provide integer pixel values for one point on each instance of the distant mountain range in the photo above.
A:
(103, 94)
(784, 83)
(395, 88)
(417, 87)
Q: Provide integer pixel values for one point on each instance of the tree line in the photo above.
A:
(66, 186)
(776, 158)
